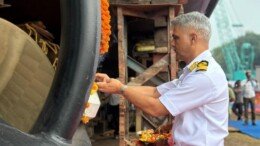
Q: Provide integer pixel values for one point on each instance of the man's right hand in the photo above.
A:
(100, 77)
(107, 84)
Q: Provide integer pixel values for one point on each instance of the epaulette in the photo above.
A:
(199, 66)
(202, 65)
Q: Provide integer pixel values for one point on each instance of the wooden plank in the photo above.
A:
(142, 78)
(150, 8)
(150, 72)
(173, 65)
(129, 143)
(160, 21)
(139, 68)
(160, 38)
(128, 12)
(131, 1)
(169, 1)
(150, 122)
(148, 12)
(126, 103)
(112, 3)
(165, 1)
(122, 73)
(179, 10)
(161, 12)
(173, 62)
(138, 120)
(156, 58)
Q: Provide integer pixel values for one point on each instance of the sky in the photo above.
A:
(248, 13)
(245, 12)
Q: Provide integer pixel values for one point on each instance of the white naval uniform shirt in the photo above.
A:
(199, 102)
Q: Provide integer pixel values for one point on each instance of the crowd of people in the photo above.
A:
(242, 96)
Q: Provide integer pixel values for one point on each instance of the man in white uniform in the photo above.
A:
(198, 99)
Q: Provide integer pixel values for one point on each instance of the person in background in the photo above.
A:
(232, 97)
(113, 113)
(238, 104)
(198, 99)
(249, 86)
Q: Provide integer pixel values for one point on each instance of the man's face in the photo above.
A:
(248, 75)
(181, 42)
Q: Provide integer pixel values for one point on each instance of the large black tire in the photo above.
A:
(77, 65)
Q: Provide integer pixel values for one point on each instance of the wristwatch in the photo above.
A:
(122, 89)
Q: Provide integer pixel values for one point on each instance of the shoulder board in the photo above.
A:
(202, 66)
(193, 66)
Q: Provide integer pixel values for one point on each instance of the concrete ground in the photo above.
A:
(239, 139)
(236, 138)
(104, 141)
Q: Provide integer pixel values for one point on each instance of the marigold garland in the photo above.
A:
(105, 27)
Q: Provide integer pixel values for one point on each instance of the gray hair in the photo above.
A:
(195, 20)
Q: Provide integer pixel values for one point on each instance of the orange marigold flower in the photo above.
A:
(87, 105)
(105, 27)
(84, 119)
(94, 88)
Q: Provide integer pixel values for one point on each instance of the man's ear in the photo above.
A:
(193, 37)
